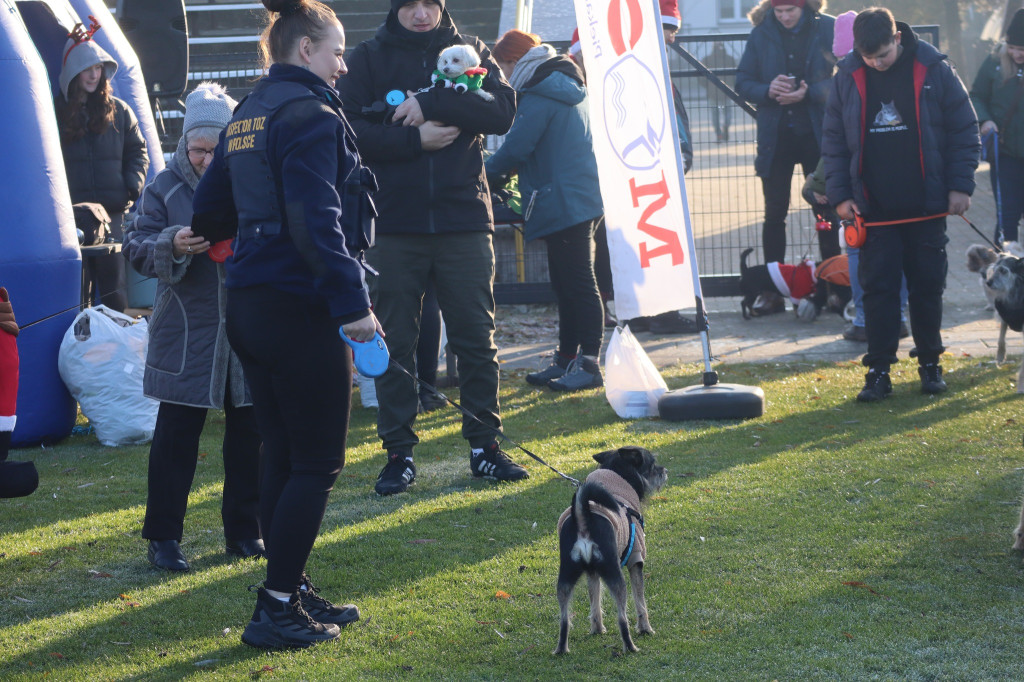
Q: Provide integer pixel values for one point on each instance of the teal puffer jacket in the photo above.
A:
(550, 145)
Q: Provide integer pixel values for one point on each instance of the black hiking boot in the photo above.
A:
(323, 611)
(877, 386)
(553, 371)
(583, 373)
(284, 625)
(931, 378)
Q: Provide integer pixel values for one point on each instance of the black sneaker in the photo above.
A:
(323, 611)
(582, 374)
(494, 464)
(284, 625)
(397, 475)
(931, 378)
(431, 401)
(553, 371)
(877, 386)
(855, 332)
(673, 323)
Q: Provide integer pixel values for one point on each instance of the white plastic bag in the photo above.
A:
(632, 383)
(102, 360)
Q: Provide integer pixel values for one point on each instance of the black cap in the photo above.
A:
(1015, 32)
(395, 4)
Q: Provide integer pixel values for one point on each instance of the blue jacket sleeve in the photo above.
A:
(748, 84)
(835, 150)
(532, 120)
(963, 142)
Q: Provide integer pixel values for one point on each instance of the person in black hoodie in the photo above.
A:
(900, 144)
(435, 225)
(287, 180)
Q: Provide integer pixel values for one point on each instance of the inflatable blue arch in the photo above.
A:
(40, 263)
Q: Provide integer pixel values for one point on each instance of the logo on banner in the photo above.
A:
(635, 123)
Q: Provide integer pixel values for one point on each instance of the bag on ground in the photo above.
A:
(632, 383)
(102, 359)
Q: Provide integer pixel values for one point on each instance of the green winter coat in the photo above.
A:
(993, 93)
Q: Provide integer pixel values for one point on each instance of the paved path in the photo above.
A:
(968, 329)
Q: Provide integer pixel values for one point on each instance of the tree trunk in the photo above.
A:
(953, 39)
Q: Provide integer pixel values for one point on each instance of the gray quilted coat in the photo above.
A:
(189, 360)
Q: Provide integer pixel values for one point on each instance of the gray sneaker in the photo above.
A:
(553, 371)
(580, 375)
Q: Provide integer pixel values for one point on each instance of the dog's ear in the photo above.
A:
(633, 455)
(605, 457)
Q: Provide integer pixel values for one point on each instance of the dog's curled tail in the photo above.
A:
(586, 551)
(743, 260)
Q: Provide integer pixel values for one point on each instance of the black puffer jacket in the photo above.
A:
(108, 169)
(424, 192)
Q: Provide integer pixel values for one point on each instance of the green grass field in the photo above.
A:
(826, 540)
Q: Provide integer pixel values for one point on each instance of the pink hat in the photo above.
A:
(670, 13)
(842, 41)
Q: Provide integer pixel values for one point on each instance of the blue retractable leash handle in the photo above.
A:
(371, 357)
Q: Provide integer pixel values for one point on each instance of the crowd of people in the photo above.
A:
(346, 193)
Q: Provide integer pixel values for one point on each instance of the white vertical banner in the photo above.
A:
(639, 163)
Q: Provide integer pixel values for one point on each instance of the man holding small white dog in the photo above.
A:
(435, 223)
(901, 146)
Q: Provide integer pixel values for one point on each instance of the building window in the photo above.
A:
(735, 10)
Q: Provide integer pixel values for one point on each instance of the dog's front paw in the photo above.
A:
(597, 628)
(559, 650)
(645, 629)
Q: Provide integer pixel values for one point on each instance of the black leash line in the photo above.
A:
(84, 304)
(498, 432)
(980, 234)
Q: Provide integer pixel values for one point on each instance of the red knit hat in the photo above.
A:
(513, 44)
(670, 13)
(782, 3)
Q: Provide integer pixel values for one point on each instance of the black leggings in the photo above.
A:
(571, 269)
(300, 375)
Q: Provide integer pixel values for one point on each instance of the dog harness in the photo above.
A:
(634, 516)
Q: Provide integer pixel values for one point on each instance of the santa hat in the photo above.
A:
(8, 363)
(795, 281)
(81, 52)
(574, 44)
(670, 13)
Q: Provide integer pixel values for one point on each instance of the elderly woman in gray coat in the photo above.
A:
(190, 368)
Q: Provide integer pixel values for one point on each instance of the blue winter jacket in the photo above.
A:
(947, 124)
(763, 59)
(550, 144)
(312, 157)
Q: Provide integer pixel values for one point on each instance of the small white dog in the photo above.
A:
(458, 67)
(982, 260)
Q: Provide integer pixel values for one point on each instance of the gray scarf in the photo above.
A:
(184, 167)
(528, 63)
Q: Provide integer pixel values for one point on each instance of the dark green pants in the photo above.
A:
(461, 265)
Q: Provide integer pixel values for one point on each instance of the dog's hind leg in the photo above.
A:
(636, 580)
(1001, 346)
(596, 618)
(617, 586)
(568, 575)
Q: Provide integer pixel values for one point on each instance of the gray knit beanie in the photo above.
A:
(80, 53)
(208, 106)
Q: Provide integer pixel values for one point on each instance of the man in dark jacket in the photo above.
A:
(435, 222)
(785, 71)
(900, 144)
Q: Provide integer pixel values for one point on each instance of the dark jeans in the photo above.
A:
(571, 268)
(790, 149)
(429, 346)
(1011, 196)
(917, 250)
(300, 375)
(172, 466)
(461, 266)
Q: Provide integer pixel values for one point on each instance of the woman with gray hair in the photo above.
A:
(190, 368)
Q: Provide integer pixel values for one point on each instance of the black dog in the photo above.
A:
(602, 532)
(756, 280)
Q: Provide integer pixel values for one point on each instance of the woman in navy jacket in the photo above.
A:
(287, 169)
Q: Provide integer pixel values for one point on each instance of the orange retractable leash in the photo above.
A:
(855, 232)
